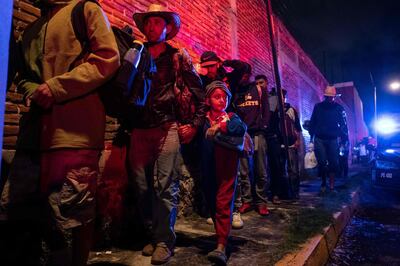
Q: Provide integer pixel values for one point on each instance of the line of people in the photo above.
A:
(56, 163)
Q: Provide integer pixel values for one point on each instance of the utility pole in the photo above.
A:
(278, 82)
(375, 109)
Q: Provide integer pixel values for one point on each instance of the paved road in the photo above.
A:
(373, 235)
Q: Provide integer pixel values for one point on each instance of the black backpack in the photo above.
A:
(117, 97)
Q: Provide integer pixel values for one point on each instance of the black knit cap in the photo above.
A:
(217, 84)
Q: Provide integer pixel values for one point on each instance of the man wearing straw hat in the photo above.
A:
(157, 132)
(328, 123)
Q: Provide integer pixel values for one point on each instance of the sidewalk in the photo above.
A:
(262, 241)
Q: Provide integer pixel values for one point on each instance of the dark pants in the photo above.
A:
(275, 165)
(327, 153)
(344, 165)
(292, 172)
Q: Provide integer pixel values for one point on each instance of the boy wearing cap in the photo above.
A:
(156, 135)
(328, 123)
(220, 164)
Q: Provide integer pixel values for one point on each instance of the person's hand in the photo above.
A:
(42, 96)
(210, 133)
(186, 133)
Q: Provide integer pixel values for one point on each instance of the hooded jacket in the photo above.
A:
(253, 109)
(49, 45)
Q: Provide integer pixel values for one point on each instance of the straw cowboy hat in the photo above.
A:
(158, 10)
(330, 91)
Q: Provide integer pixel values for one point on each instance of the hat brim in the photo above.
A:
(172, 19)
(332, 95)
(208, 63)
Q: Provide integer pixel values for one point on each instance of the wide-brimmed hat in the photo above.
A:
(158, 10)
(330, 91)
(217, 84)
(209, 58)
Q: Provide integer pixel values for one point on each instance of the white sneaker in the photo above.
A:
(209, 221)
(237, 222)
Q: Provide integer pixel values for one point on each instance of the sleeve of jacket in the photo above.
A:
(100, 65)
(193, 81)
(26, 83)
(238, 65)
(235, 126)
(313, 122)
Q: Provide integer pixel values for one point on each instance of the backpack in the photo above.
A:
(117, 97)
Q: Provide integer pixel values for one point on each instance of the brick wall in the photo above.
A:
(232, 28)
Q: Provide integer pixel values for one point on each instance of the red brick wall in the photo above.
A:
(231, 28)
(208, 25)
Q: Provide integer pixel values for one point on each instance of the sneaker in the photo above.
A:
(276, 200)
(262, 209)
(209, 221)
(148, 250)
(218, 257)
(246, 207)
(237, 222)
(162, 254)
(322, 191)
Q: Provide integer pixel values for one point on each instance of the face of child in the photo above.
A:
(218, 100)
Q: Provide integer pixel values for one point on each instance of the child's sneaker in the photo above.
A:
(209, 221)
(237, 222)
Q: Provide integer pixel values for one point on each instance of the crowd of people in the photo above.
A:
(221, 125)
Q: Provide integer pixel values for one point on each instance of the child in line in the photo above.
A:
(220, 164)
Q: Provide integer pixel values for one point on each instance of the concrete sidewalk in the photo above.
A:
(258, 243)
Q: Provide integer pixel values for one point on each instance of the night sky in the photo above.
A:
(348, 39)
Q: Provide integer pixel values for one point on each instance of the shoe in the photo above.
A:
(276, 200)
(218, 257)
(262, 209)
(162, 254)
(237, 222)
(148, 250)
(246, 207)
(209, 221)
(322, 191)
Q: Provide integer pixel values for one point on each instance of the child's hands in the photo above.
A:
(210, 133)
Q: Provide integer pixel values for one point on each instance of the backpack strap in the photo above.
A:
(78, 22)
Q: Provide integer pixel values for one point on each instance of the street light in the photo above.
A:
(395, 85)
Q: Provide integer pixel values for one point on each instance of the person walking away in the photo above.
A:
(327, 124)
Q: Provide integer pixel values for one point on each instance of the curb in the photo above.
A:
(317, 249)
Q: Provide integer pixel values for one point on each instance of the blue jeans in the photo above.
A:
(154, 160)
(327, 153)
